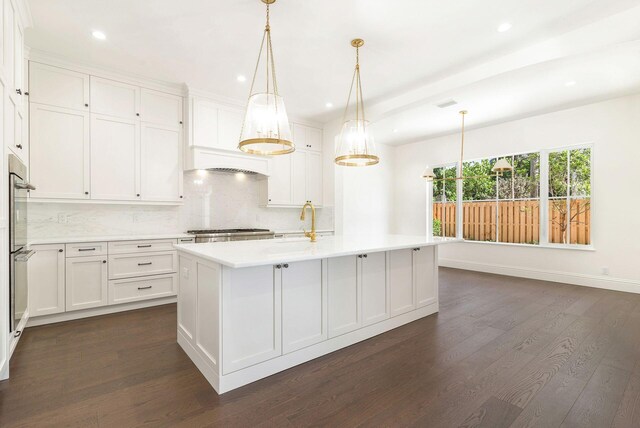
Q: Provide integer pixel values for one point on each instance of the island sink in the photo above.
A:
(249, 309)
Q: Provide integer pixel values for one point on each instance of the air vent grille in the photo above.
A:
(232, 170)
(447, 103)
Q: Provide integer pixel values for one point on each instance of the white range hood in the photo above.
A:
(225, 160)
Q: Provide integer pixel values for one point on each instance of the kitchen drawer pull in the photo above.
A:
(144, 246)
(86, 249)
(145, 264)
(186, 240)
(145, 288)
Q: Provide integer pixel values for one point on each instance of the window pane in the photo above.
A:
(580, 210)
(558, 223)
(449, 227)
(505, 183)
(526, 182)
(437, 185)
(580, 167)
(479, 207)
(558, 174)
(519, 221)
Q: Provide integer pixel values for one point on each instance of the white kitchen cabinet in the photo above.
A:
(18, 61)
(10, 15)
(215, 126)
(313, 181)
(295, 179)
(425, 273)
(137, 289)
(160, 108)
(86, 282)
(401, 285)
(187, 297)
(46, 273)
(306, 137)
(251, 317)
(115, 158)
(13, 128)
(279, 190)
(60, 152)
(373, 276)
(55, 86)
(112, 98)
(303, 305)
(343, 295)
(298, 178)
(161, 163)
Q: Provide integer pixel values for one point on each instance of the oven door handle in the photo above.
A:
(24, 186)
(24, 256)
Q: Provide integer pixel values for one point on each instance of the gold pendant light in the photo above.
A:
(265, 130)
(500, 167)
(355, 145)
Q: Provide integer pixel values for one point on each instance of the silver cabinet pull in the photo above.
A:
(86, 249)
(144, 246)
(145, 288)
(145, 264)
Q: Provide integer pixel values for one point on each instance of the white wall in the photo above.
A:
(363, 196)
(612, 126)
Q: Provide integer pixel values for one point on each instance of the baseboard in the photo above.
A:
(103, 310)
(595, 281)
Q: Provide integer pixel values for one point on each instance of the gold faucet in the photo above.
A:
(312, 234)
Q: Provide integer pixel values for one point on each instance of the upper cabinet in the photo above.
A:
(101, 139)
(307, 138)
(58, 87)
(215, 126)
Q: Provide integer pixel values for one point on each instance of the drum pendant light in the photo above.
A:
(265, 130)
(355, 145)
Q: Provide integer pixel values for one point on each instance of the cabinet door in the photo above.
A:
(161, 166)
(401, 294)
(10, 16)
(115, 154)
(160, 108)
(374, 288)
(298, 177)
(303, 304)
(425, 274)
(46, 280)
(112, 98)
(314, 178)
(229, 124)
(251, 317)
(86, 282)
(204, 124)
(18, 61)
(299, 135)
(343, 298)
(59, 87)
(59, 152)
(279, 182)
(314, 139)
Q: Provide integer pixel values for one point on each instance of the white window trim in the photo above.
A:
(543, 198)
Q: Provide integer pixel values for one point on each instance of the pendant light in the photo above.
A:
(355, 146)
(500, 167)
(265, 130)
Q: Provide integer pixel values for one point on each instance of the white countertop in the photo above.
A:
(73, 240)
(241, 254)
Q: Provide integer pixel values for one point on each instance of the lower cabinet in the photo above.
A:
(373, 274)
(343, 295)
(136, 289)
(425, 275)
(401, 292)
(46, 280)
(86, 282)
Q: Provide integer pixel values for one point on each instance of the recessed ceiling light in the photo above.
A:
(570, 83)
(504, 27)
(99, 35)
(328, 105)
(241, 78)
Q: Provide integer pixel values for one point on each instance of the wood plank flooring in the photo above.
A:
(502, 352)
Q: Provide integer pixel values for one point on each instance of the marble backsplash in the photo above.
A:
(212, 200)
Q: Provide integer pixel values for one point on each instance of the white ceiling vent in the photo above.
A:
(447, 103)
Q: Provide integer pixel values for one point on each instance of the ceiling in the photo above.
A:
(417, 52)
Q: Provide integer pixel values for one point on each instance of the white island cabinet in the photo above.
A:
(249, 309)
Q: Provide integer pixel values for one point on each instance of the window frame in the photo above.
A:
(543, 198)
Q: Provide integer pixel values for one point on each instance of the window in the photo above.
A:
(508, 209)
(444, 202)
(570, 196)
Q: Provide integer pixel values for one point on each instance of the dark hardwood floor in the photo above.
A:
(502, 352)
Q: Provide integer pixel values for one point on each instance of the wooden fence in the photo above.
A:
(519, 221)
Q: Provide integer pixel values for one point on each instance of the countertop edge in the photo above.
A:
(114, 238)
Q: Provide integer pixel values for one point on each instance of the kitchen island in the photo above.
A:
(249, 309)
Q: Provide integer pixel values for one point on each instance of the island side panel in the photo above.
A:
(426, 275)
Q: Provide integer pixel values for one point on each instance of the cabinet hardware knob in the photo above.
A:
(145, 288)
(138, 194)
(138, 114)
(359, 256)
(26, 93)
(86, 105)
(104, 261)
(86, 193)
(181, 196)
(17, 333)
(286, 265)
(180, 122)
(60, 250)
(365, 256)
(19, 146)
(19, 91)
(278, 266)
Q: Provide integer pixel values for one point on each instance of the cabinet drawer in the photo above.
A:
(134, 289)
(123, 247)
(186, 240)
(130, 265)
(86, 249)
